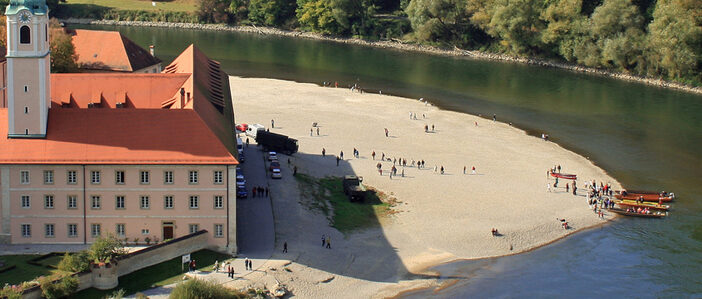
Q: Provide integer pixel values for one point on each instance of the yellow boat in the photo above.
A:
(632, 203)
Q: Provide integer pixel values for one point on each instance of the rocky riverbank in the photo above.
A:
(398, 45)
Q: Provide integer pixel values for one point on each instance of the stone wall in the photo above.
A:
(105, 278)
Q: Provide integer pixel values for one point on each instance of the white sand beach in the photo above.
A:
(441, 217)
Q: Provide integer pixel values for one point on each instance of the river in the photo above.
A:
(647, 137)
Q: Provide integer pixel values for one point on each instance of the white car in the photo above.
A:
(240, 180)
(272, 156)
(275, 173)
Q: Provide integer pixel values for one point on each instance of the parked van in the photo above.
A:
(252, 130)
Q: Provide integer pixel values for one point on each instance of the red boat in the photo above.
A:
(564, 176)
(644, 196)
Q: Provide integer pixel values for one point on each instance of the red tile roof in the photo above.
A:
(110, 51)
(117, 136)
(141, 132)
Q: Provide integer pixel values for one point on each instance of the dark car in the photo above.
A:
(241, 192)
(274, 165)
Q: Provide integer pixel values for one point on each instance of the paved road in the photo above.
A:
(255, 233)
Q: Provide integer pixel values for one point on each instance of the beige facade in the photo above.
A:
(73, 204)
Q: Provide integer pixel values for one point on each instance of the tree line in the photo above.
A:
(656, 38)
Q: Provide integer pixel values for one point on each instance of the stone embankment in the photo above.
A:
(399, 45)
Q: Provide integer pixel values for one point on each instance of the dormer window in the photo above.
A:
(25, 37)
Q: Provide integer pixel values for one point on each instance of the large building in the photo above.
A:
(136, 155)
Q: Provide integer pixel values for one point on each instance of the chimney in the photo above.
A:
(151, 50)
(182, 98)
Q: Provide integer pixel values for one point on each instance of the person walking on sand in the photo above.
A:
(548, 187)
(464, 169)
(387, 133)
(432, 127)
(442, 169)
(435, 168)
(310, 132)
(473, 170)
(567, 187)
(272, 124)
(285, 247)
(373, 154)
(494, 117)
(317, 131)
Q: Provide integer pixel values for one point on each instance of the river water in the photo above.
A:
(646, 137)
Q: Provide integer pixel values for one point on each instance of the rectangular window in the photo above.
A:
(72, 177)
(119, 202)
(120, 229)
(49, 230)
(95, 202)
(72, 202)
(48, 176)
(194, 202)
(218, 202)
(192, 177)
(119, 177)
(95, 230)
(144, 202)
(218, 178)
(25, 201)
(218, 230)
(168, 177)
(26, 230)
(24, 177)
(144, 177)
(95, 177)
(193, 228)
(48, 201)
(72, 230)
(168, 201)
(144, 231)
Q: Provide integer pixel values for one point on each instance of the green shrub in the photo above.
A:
(202, 289)
(11, 292)
(76, 262)
(62, 288)
(106, 248)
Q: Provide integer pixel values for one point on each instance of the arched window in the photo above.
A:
(24, 35)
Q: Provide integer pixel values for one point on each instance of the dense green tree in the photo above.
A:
(615, 27)
(518, 25)
(271, 12)
(675, 39)
(215, 11)
(317, 15)
(63, 53)
(439, 20)
(567, 28)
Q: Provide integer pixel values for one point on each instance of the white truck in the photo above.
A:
(252, 130)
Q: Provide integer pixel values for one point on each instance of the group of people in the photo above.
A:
(639, 210)
(227, 267)
(326, 241)
(259, 191)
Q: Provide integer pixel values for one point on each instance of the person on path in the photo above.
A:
(231, 271)
(329, 242)
(294, 170)
(272, 123)
(324, 240)
(373, 154)
(193, 266)
(285, 247)
(341, 155)
(253, 192)
(324, 152)
(337, 160)
(473, 170)
(216, 266)
(247, 141)
(267, 191)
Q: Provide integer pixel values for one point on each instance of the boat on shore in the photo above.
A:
(650, 214)
(632, 203)
(646, 197)
(564, 176)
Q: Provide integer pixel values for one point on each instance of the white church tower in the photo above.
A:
(28, 68)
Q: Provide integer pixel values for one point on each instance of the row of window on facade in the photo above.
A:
(144, 177)
(96, 230)
(120, 202)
